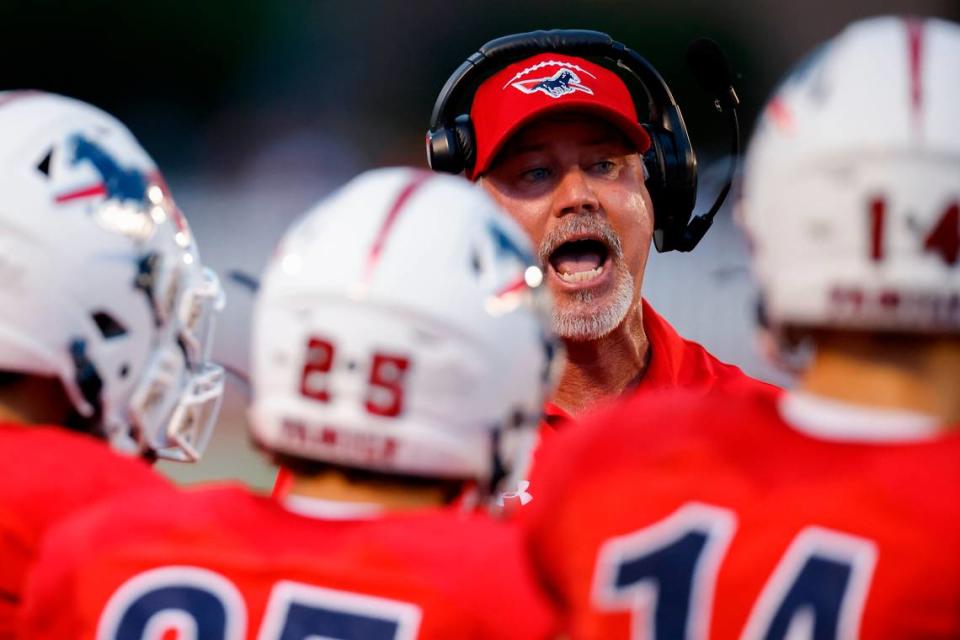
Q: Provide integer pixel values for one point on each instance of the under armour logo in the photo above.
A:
(520, 494)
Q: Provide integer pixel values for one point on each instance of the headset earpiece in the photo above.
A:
(463, 132)
(451, 149)
(443, 151)
(672, 165)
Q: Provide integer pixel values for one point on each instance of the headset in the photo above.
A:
(671, 160)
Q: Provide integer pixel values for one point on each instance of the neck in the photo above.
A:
(33, 400)
(605, 367)
(389, 493)
(14, 414)
(912, 373)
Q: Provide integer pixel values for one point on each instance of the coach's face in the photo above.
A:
(577, 187)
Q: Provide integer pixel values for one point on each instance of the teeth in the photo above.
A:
(581, 276)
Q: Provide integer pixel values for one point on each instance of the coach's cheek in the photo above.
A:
(528, 213)
(636, 245)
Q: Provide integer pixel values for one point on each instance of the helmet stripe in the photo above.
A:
(13, 96)
(84, 192)
(517, 285)
(915, 52)
(373, 258)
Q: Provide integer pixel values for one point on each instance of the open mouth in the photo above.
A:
(580, 261)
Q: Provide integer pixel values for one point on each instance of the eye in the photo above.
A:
(537, 174)
(604, 167)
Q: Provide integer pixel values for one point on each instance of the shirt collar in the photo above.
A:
(830, 419)
(330, 509)
(554, 415)
(667, 349)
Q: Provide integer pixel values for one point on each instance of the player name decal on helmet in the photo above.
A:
(564, 82)
(367, 448)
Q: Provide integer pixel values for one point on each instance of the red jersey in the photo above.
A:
(235, 565)
(49, 473)
(686, 516)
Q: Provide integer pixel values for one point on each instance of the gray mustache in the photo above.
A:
(577, 226)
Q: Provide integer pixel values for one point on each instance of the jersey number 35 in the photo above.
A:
(199, 603)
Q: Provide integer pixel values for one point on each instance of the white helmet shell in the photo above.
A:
(401, 327)
(852, 182)
(100, 282)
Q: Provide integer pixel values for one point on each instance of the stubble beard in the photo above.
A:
(581, 316)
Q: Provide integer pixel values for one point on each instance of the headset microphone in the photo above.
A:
(711, 69)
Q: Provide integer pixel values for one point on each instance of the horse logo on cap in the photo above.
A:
(561, 83)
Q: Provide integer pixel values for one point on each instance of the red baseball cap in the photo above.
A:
(542, 84)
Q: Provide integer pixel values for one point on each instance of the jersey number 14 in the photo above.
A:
(666, 574)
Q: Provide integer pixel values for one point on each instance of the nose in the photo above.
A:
(574, 194)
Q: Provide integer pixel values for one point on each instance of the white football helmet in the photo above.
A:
(852, 182)
(100, 281)
(401, 327)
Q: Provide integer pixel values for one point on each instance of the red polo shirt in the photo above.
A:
(675, 362)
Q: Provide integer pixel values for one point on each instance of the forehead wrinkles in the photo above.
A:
(577, 226)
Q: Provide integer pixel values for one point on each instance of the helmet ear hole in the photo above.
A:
(87, 377)
(44, 165)
(475, 262)
(108, 325)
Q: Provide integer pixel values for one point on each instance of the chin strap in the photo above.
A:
(498, 470)
(91, 386)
